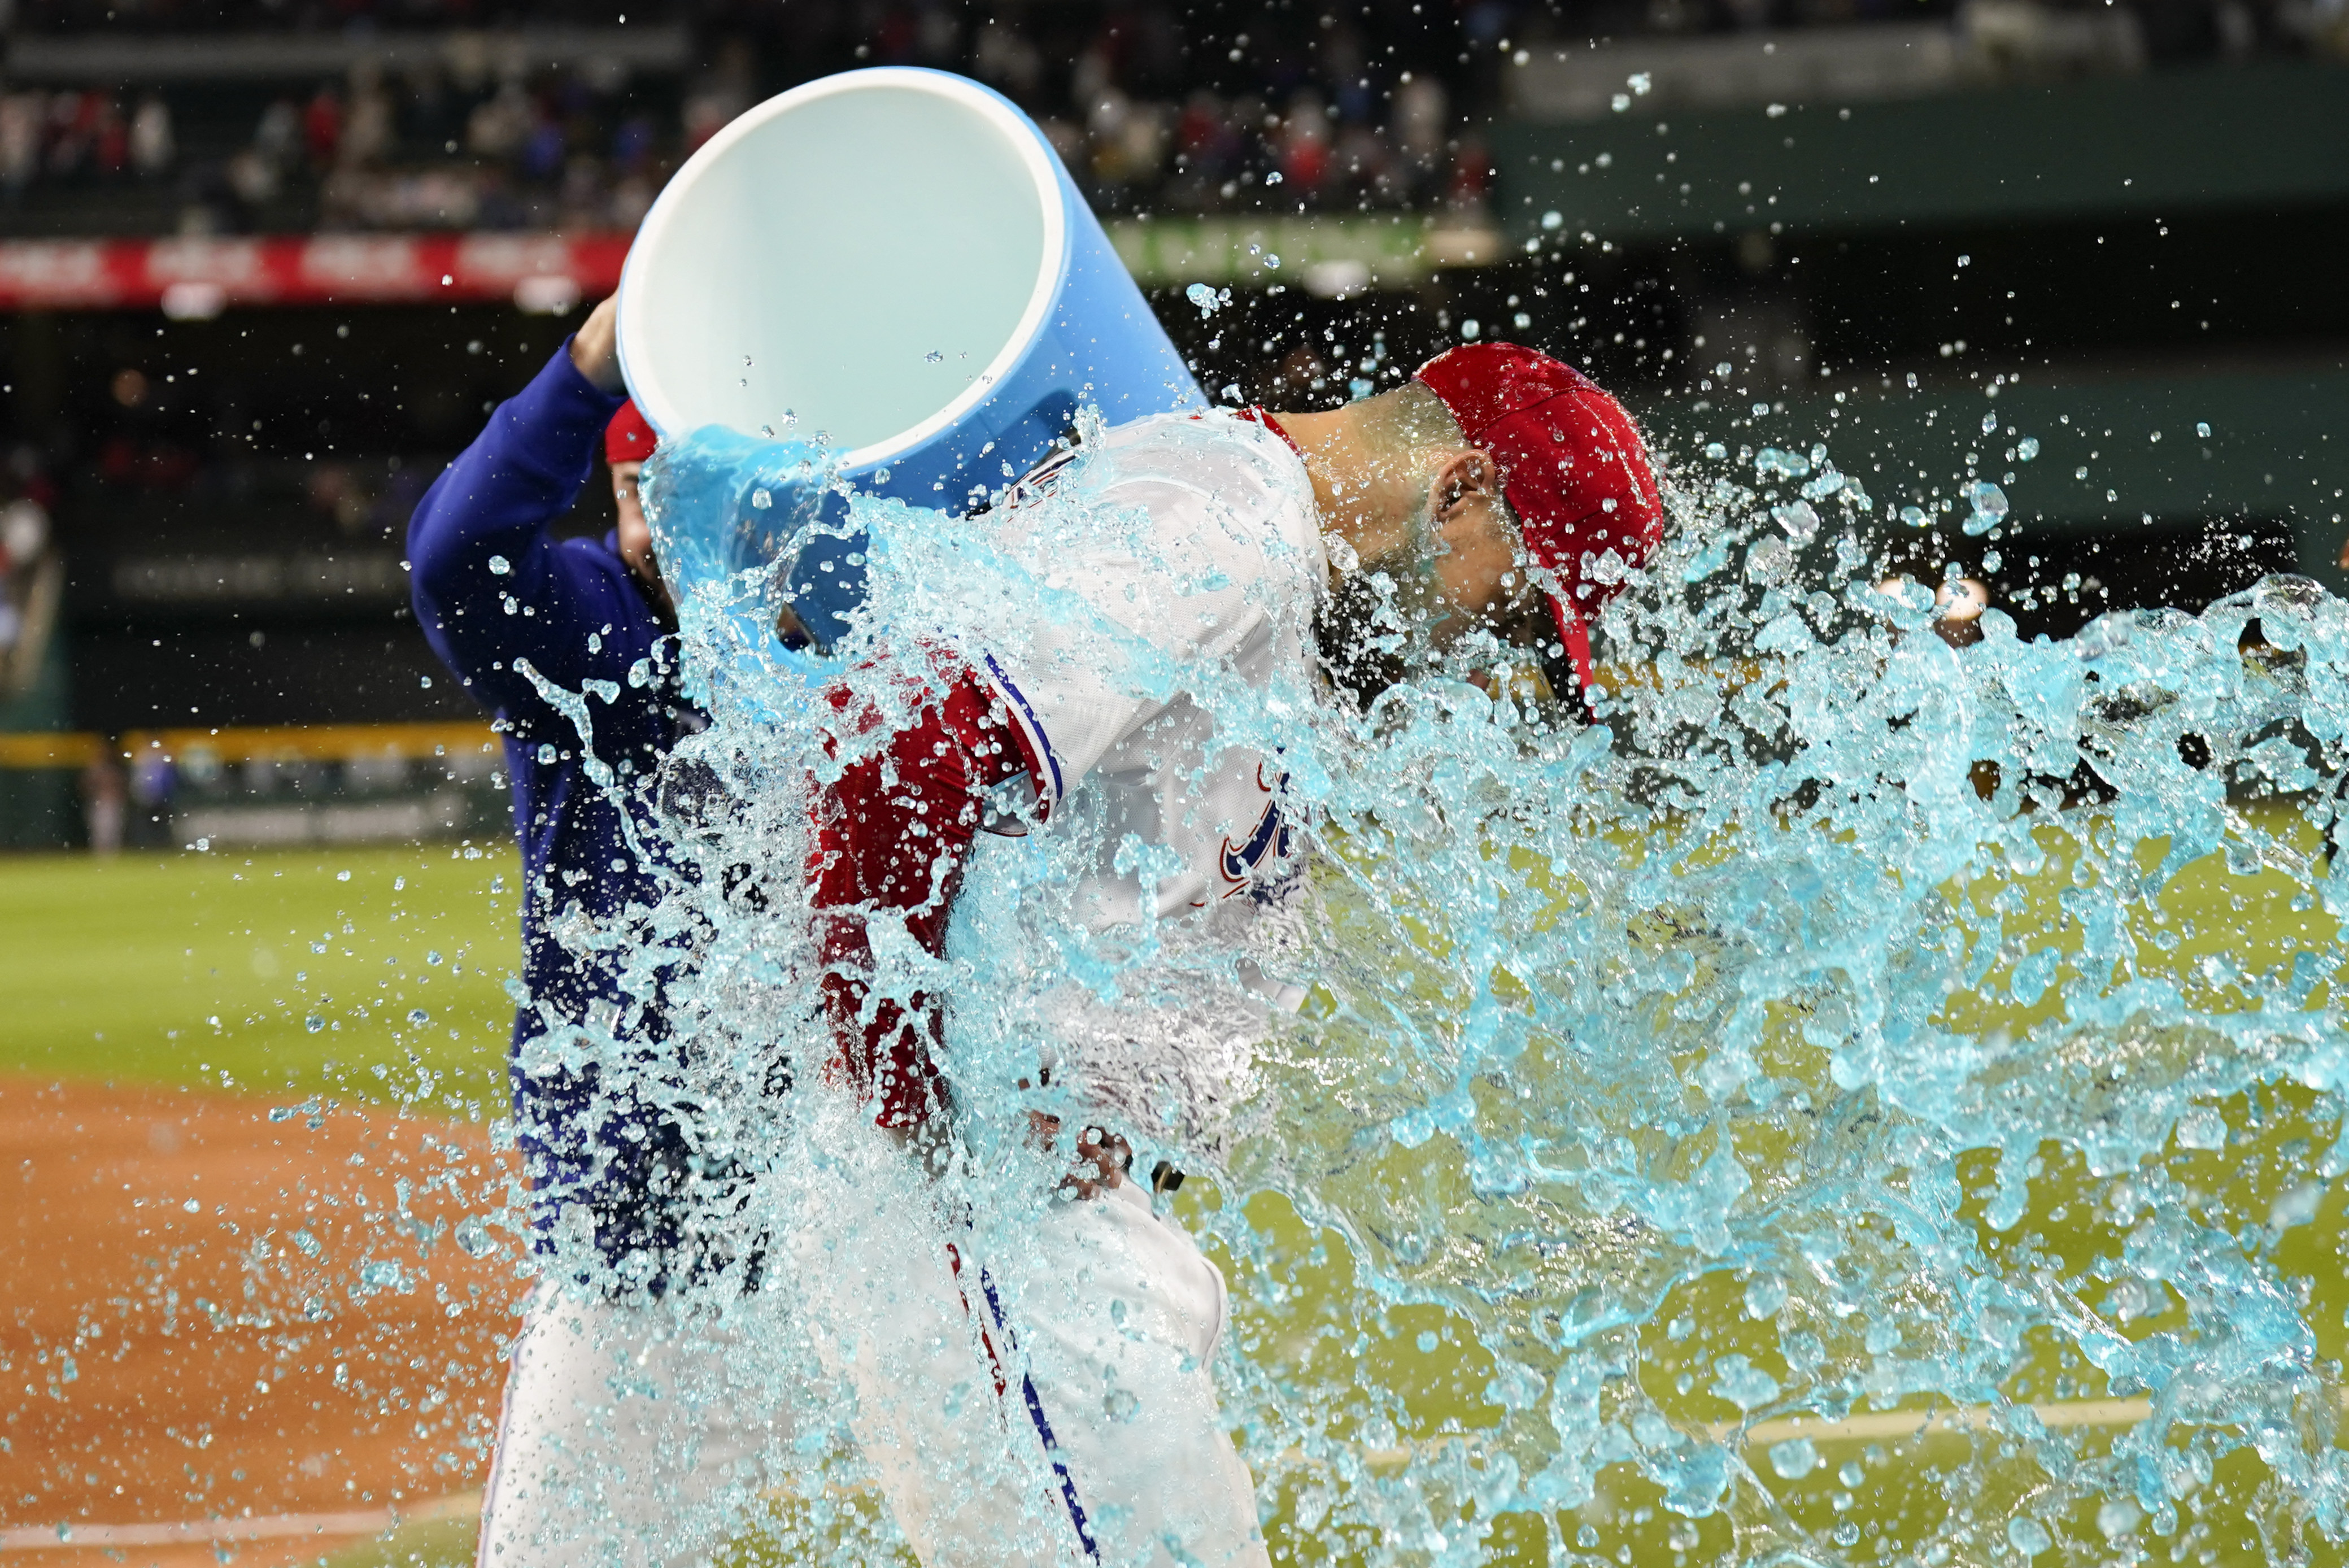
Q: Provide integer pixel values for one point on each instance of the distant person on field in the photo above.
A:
(104, 802)
(618, 1415)
(152, 781)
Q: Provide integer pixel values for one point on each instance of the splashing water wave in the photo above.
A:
(1684, 1107)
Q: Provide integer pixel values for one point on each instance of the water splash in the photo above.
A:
(1860, 1100)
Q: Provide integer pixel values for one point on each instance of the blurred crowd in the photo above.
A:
(370, 151)
(589, 148)
(1193, 110)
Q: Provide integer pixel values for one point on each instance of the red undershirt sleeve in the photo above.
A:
(890, 837)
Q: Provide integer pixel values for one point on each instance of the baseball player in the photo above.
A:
(628, 1432)
(1052, 1402)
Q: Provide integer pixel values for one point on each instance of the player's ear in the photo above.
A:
(1463, 475)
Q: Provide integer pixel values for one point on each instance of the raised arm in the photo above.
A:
(891, 837)
(569, 609)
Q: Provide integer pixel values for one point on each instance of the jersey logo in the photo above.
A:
(1039, 482)
(1269, 840)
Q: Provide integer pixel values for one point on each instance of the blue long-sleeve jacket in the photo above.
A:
(499, 599)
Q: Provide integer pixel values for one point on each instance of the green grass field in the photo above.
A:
(372, 973)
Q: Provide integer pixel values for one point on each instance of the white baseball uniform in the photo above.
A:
(633, 1434)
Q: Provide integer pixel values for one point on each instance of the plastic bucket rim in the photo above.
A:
(1035, 154)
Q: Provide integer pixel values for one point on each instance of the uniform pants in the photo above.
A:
(631, 1435)
(1051, 1404)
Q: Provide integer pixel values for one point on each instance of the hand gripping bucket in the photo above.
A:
(893, 266)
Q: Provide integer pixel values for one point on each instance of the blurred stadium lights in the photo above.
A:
(190, 301)
(197, 278)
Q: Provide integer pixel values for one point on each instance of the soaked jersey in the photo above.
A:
(1155, 699)
(1195, 545)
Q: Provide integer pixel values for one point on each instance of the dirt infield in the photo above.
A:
(222, 1319)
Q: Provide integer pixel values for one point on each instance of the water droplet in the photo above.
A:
(500, 566)
(2028, 1536)
(547, 752)
(1427, 1342)
(314, 1024)
(1640, 82)
(1795, 1459)
(1989, 422)
(1799, 519)
(1619, 102)
(2027, 448)
(2202, 428)
(2202, 1127)
(761, 500)
(193, 1207)
(932, 356)
(1989, 502)
(432, 956)
(418, 1017)
(1736, 1379)
(342, 876)
(2116, 1517)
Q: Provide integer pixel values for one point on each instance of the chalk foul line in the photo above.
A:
(1943, 1419)
(264, 1527)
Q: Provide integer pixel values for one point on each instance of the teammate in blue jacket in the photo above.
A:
(591, 1467)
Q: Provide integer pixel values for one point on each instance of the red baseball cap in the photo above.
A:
(629, 439)
(1573, 470)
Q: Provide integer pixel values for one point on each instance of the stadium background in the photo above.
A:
(265, 265)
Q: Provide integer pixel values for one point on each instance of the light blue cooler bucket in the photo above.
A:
(893, 265)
